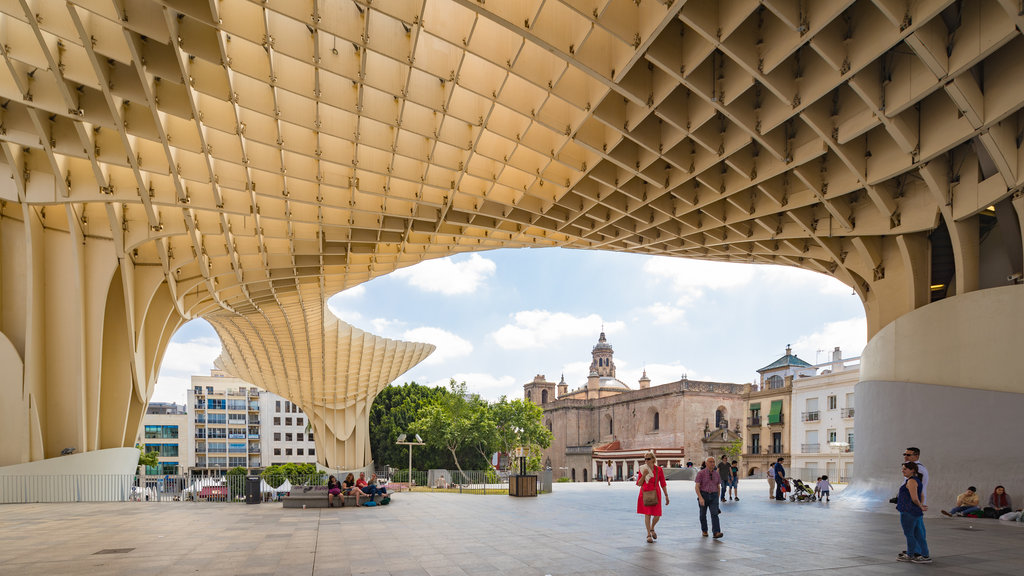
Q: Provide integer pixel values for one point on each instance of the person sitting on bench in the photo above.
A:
(333, 491)
(369, 488)
(349, 487)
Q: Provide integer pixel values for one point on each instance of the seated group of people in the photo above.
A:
(361, 488)
(999, 505)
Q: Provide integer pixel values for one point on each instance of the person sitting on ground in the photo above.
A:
(999, 503)
(1017, 516)
(965, 503)
(348, 486)
(441, 483)
(333, 491)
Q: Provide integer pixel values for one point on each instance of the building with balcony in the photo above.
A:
(235, 424)
(768, 414)
(822, 437)
(164, 430)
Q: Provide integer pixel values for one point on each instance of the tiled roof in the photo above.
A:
(787, 360)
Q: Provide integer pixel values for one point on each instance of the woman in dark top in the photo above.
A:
(999, 503)
(333, 491)
(908, 502)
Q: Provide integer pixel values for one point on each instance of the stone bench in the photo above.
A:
(316, 497)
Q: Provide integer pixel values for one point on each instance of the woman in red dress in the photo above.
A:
(651, 477)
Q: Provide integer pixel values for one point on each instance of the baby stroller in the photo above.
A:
(801, 492)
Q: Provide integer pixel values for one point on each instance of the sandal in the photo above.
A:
(654, 534)
(649, 539)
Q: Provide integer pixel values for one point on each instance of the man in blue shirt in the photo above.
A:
(780, 476)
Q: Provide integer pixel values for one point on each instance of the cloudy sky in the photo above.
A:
(499, 318)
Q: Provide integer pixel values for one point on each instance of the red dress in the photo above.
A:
(656, 483)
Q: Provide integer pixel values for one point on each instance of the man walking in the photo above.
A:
(725, 473)
(609, 472)
(780, 479)
(706, 485)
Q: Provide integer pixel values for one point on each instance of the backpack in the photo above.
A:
(369, 503)
(385, 501)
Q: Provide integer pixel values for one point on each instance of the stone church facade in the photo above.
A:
(606, 419)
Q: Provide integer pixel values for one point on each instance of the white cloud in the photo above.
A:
(662, 313)
(449, 345)
(850, 335)
(192, 356)
(171, 389)
(805, 280)
(385, 327)
(690, 278)
(447, 276)
(351, 316)
(537, 328)
(488, 386)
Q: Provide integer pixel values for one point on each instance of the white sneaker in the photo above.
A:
(903, 557)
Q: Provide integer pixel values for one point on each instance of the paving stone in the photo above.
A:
(580, 529)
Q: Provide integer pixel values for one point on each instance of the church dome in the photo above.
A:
(602, 344)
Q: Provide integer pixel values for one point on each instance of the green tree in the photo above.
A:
(393, 412)
(236, 471)
(734, 449)
(450, 421)
(519, 424)
(295, 473)
(148, 459)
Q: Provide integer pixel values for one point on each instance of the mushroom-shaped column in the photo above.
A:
(329, 368)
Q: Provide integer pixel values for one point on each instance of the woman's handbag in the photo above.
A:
(650, 498)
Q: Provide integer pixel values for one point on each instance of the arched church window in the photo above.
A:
(529, 396)
(775, 381)
(657, 422)
(611, 429)
(718, 418)
(543, 396)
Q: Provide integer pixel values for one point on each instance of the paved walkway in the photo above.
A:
(587, 529)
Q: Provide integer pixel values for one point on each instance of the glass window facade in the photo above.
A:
(161, 431)
(163, 449)
(215, 403)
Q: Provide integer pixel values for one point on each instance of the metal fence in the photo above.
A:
(171, 488)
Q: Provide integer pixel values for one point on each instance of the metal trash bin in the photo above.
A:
(252, 490)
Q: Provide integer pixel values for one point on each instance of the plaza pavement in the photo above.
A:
(590, 529)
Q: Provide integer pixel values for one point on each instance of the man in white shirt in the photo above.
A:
(912, 454)
(771, 481)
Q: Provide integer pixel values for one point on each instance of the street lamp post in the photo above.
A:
(419, 442)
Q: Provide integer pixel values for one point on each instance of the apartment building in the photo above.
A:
(225, 428)
(164, 431)
(234, 424)
(769, 415)
(289, 437)
(822, 438)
